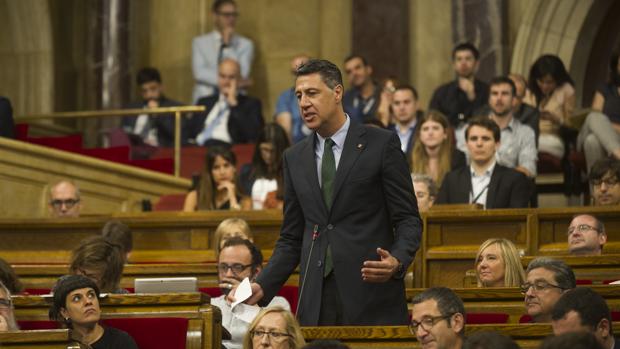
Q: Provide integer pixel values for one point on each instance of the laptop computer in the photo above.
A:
(166, 285)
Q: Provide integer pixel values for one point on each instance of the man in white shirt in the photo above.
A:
(238, 259)
(210, 49)
(230, 118)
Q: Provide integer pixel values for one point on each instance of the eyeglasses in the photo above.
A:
(275, 336)
(582, 228)
(608, 182)
(5, 303)
(228, 14)
(427, 323)
(236, 268)
(69, 203)
(539, 286)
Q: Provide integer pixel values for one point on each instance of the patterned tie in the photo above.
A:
(206, 134)
(328, 172)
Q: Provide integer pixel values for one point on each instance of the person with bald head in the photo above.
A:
(64, 200)
(230, 117)
(287, 108)
(586, 235)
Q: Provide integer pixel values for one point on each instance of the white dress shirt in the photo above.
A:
(480, 185)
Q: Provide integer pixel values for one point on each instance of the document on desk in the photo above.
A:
(243, 311)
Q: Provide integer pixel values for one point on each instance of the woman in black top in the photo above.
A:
(76, 306)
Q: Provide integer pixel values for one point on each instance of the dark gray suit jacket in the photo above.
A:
(373, 206)
(507, 189)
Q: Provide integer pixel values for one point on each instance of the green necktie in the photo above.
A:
(328, 172)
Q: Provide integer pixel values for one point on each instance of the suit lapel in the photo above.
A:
(464, 187)
(354, 144)
(493, 185)
(309, 165)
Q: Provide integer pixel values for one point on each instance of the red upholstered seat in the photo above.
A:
(21, 132)
(37, 325)
(583, 282)
(153, 333)
(36, 291)
(69, 143)
(615, 316)
(172, 202)
(486, 318)
(525, 319)
(159, 165)
(548, 163)
(117, 154)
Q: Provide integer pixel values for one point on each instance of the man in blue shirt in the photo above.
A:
(287, 108)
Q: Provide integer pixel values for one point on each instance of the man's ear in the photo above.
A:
(256, 271)
(602, 239)
(602, 329)
(458, 322)
(338, 92)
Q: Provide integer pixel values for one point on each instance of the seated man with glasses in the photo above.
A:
(238, 259)
(605, 180)
(7, 318)
(545, 281)
(64, 200)
(586, 235)
(438, 319)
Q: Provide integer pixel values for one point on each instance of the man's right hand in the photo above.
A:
(468, 87)
(257, 294)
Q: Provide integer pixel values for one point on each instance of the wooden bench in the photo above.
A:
(48, 339)
(204, 320)
(510, 301)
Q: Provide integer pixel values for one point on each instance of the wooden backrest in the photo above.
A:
(204, 320)
(48, 339)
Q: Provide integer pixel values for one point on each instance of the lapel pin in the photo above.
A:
(360, 146)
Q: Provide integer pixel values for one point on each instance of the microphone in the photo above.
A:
(315, 235)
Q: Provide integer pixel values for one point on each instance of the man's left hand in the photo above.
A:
(380, 271)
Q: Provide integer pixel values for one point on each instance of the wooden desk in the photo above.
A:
(44, 339)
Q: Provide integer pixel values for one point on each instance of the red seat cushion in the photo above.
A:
(525, 319)
(68, 143)
(486, 318)
(583, 282)
(21, 132)
(615, 316)
(548, 163)
(159, 165)
(37, 325)
(172, 202)
(118, 154)
(153, 333)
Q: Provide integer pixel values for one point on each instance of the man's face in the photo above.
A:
(64, 201)
(501, 99)
(539, 304)
(404, 106)
(441, 334)
(227, 73)
(606, 191)
(317, 102)
(151, 90)
(583, 238)
(465, 63)
(357, 72)
(425, 201)
(481, 144)
(235, 257)
(226, 16)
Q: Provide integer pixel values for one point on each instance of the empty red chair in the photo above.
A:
(153, 333)
(486, 318)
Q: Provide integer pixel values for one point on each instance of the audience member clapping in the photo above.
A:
(433, 153)
(425, 191)
(263, 178)
(76, 306)
(228, 229)
(438, 319)
(9, 278)
(274, 327)
(64, 200)
(586, 235)
(119, 233)
(7, 317)
(605, 181)
(217, 188)
(553, 93)
(498, 264)
(545, 282)
(101, 261)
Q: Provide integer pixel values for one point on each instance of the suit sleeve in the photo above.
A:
(248, 121)
(521, 190)
(6, 118)
(401, 203)
(287, 252)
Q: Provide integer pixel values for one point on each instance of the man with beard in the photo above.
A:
(238, 259)
(459, 98)
(362, 99)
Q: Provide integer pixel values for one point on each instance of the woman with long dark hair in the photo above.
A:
(552, 92)
(217, 188)
(264, 175)
(600, 133)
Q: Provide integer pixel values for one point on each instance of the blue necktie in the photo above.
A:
(208, 131)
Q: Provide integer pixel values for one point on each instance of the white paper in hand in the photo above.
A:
(243, 292)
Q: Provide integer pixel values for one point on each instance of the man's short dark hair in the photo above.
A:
(448, 303)
(562, 273)
(325, 344)
(408, 88)
(484, 122)
(219, 3)
(489, 340)
(573, 340)
(257, 255)
(148, 74)
(354, 56)
(499, 80)
(330, 74)
(466, 46)
(590, 306)
(604, 166)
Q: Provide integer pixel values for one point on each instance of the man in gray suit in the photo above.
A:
(350, 216)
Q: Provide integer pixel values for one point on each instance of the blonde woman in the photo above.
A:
(274, 327)
(498, 264)
(229, 228)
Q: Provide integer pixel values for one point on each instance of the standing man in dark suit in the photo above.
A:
(350, 216)
(153, 130)
(230, 117)
(6, 118)
(484, 181)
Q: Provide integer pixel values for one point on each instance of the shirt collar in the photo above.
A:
(339, 136)
(487, 173)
